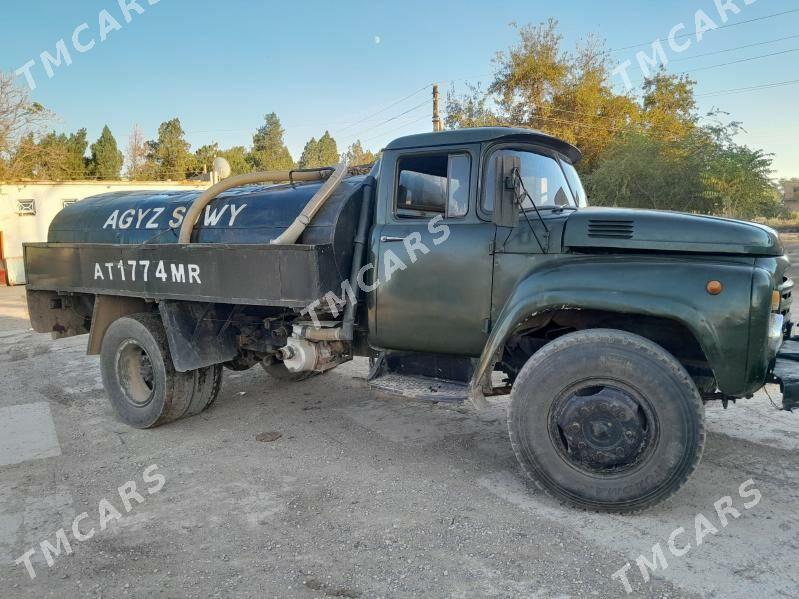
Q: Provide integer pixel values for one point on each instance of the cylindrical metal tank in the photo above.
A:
(248, 215)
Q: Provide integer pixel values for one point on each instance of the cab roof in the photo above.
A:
(485, 134)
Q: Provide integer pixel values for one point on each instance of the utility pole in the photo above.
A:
(436, 116)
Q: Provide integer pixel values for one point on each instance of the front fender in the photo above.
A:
(667, 287)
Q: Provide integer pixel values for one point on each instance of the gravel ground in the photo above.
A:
(360, 496)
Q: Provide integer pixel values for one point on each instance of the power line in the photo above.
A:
(723, 92)
(388, 120)
(688, 34)
(725, 64)
(774, 41)
(385, 108)
(405, 124)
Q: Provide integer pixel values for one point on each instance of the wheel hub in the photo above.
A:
(135, 373)
(602, 428)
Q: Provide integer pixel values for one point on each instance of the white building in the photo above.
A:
(27, 208)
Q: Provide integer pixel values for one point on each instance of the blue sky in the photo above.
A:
(220, 65)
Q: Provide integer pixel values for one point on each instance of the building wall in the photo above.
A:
(49, 198)
(790, 194)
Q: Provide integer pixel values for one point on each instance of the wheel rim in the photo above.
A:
(602, 427)
(135, 373)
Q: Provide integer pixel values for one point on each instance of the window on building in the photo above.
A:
(26, 206)
(66, 203)
(433, 184)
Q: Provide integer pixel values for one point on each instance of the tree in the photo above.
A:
(471, 109)
(106, 159)
(738, 179)
(669, 107)
(55, 156)
(269, 152)
(204, 158)
(356, 155)
(136, 154)
(20, 119)
(539, 85)
(170, 152)
(310, 154)
(705, 171)
(639, 171)
(237, 158)
(323, 152)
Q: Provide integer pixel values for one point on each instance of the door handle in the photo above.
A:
(384, 238)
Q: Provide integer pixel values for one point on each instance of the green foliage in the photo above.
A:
(652, 153)
(54, 157)
(668, 110)
(168, 156)
(106, 159)
(20, 120)
(638, 171)
(471, 109)
(323, 152)
(357, 156)
(237, 158)
(537, 84)
(269, 152)
(204, 159)
(704, 172)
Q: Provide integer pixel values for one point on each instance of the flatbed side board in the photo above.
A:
(289, 276)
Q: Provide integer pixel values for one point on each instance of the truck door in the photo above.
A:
(433, 255)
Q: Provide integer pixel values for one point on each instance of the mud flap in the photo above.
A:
(198, 334)
(786, 373)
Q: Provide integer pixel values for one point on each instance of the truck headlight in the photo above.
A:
(775, 324)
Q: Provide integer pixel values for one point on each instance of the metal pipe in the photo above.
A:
(320, 334)
(295, 229)
(196, 208)
(348, 322)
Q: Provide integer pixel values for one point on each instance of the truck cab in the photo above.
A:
(465, 265)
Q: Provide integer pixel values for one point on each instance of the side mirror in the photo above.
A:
(506, 210)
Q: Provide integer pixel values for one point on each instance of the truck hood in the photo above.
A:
(628, 229)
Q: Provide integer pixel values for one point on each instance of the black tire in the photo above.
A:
(606, 420)
(138, 374)
(207, 382)
(276, 369)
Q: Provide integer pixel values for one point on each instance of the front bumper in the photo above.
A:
(786, 373)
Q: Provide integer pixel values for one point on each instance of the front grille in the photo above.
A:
(610, 229)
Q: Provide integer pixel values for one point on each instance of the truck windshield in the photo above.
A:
(543, 179)
(578, 191)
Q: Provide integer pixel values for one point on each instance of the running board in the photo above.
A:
(420, 387)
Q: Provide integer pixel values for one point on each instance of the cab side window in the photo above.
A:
(433, 184)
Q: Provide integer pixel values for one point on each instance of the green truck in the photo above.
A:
(465, 264)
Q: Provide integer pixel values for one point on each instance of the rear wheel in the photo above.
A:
(207, 382)
(140, 378)
(606, 420)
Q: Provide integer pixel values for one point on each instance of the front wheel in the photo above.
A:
(606, 420)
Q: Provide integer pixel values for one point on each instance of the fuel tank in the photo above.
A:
(248, 215)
